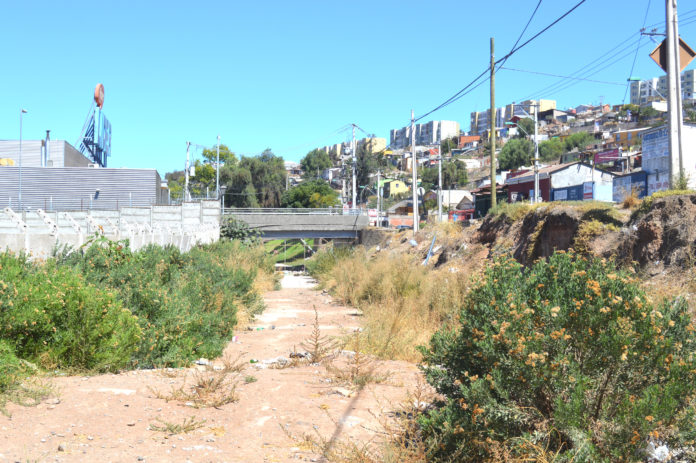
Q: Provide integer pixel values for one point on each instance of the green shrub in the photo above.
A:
(235, 229)
(11, 369)
(566, 357)
(53, 316)
(186, 303)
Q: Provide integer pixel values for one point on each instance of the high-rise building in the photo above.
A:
(480, 120)
(644, 92)
(430, 133)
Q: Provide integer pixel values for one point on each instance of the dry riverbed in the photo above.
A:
(140, 415)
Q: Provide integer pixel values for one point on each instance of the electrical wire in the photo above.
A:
(564, 77)
(596, 70)
(635, 57)
(592, 67)
(523, 31)
(514, 50)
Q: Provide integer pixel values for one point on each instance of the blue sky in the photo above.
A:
(288, 75)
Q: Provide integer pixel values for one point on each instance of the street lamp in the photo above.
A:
(638, 79)
(362, 193)
(223, 188)
(21, 113)
(536, 148)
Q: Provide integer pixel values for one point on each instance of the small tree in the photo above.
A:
(312, 194)
(314, 163)
(516, 152)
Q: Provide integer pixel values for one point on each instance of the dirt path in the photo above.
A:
(108, 418)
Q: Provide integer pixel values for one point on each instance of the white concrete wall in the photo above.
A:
(38, 233)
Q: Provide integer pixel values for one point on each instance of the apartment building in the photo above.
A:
(430, 133)
(480, 120)
(644, 92)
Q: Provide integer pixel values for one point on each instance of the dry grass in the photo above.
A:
(403, 303)
(188, 425)
(317, 345)
(631, 199)
(396, 437)
(208, 388)
(27, 393)
(360, 369)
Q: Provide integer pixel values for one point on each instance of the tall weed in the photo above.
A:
(403, 302)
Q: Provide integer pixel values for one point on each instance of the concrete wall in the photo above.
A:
(305, 225)
(38, 233)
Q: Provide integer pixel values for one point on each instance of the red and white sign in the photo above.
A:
(607, 156)
(372, 212)
(587, 190)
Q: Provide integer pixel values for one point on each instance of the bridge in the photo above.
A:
(292, 223)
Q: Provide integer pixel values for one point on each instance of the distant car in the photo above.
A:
(404, 227)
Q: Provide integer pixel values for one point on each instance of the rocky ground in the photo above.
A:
(281, 410)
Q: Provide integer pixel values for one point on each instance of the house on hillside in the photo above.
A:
(563, 182)
(450, 198)
(391, 187)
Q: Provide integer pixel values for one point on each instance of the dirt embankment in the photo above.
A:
(659, 236)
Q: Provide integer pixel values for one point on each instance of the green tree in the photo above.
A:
(254, 181)
(448, 144)
(227, 157)
(578, 140)
(516, 152)
(314, 163)
(454, 175)
(551, 150)
(526, 127)
(366, 164)
(311, 194)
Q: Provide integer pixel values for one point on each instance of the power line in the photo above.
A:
(587, 69)
(627, 54)
(523, 31)
(635, 57)
(514, 50)
(564, 77)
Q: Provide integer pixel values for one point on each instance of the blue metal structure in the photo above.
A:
(95, 140)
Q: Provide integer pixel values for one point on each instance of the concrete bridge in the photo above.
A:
(288, 223)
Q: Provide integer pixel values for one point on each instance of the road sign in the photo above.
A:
(686, 54)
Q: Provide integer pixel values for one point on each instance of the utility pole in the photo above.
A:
(491, 121)
(355, 205)
(379, 198)
(537, 196)
(439, 184)
(186, 173)
(217, 170)
(414, 170)
(674, 107)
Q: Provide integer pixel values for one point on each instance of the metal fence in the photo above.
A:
(292, 211)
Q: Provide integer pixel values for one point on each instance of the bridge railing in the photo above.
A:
(292, 211)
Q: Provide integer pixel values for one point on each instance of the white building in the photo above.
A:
(430, 133)
(643, 92)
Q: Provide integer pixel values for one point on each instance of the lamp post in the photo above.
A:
(223, 188)
(21, 113)
(217, 169)
(638, 79)
(536, 198)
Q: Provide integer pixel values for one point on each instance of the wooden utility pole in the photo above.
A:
(414, 174)
(491, 124)
(674, 107)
